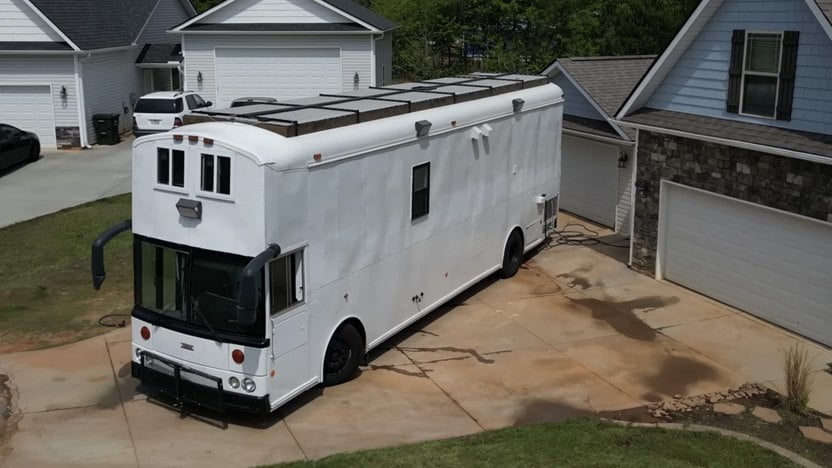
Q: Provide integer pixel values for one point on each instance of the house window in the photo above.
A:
(170, 167)
(762, 73)
(286, 277)
(420, 195)
(215, 174)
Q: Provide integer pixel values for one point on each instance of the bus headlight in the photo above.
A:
(248, 385)
(234, 382)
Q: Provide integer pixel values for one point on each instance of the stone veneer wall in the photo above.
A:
(787, 184)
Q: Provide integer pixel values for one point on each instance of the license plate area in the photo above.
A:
(184, 384)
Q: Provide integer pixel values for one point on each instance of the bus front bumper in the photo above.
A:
(186, 392)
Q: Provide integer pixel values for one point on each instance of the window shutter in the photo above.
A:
(788, 67)
(732, 103)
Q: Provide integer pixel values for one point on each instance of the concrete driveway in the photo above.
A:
(64, 178)
(574, 332)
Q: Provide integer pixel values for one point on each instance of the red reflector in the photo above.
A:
(208, 141)
(193, 138)
(238, 356)
(145, 332)
(453, 123)
(177, 138)
(316, 156)
(177, 122)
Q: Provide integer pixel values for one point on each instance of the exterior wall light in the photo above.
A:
(422, 128)
(199, 77)
(623, 157)
(355, 80)
(63, 93)
(189, 208)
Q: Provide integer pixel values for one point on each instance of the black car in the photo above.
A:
(17, 145)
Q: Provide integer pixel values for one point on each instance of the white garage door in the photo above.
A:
(279, 73)
(29, 108)
(589, 179)
(772, 264)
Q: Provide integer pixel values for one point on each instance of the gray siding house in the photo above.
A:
(596, 172)
(59, 65)
(285, 49)
(733, 186)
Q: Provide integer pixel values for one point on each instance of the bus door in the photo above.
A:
(289, 324)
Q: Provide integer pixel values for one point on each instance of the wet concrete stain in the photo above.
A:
(451, 349)
(578, 281)
(621, 315)
(548, 411)
(676, 375)
(398, 370)
(537, 281)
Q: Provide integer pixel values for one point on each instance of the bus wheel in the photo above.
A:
(513, 255)
(342, 355)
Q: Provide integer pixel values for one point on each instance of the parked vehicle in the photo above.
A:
(17, 145)
(275, 248)
(252, 100)
(164, 110)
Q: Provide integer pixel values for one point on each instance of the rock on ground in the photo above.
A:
(817, 434)
(728, 408)
(767, 414)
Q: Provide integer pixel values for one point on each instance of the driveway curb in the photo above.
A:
(737, 435)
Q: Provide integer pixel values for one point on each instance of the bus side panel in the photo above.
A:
(385, 268)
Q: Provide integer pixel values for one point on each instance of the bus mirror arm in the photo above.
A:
(98, 273)
(247, 310)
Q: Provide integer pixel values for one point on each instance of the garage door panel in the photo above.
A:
(29, 108)
(281, 73)
(589, 179)
(769, 263)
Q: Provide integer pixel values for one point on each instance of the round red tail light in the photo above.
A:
(238, 356)
(145, 332)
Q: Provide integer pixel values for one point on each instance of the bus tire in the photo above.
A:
(343, 354)
(512, 255)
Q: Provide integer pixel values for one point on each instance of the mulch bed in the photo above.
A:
(785, 434)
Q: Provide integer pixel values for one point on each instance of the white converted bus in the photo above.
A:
(276, 244)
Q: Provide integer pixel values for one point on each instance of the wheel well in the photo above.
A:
(522, 237)
(358, 326)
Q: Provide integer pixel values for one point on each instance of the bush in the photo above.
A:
(798, 379)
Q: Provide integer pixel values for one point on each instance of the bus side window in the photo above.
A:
(286, 275)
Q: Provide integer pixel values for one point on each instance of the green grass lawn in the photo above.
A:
(581, 442)
(46, 294)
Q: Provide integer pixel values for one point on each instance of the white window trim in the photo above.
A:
(169, 187)
(746, 72)
(214, 194)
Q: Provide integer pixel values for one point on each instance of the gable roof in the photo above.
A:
(100, 24)
(160, 54)
(368, 20)
(605, 82)
(696, 22)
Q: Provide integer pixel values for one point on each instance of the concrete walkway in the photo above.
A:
(61, 179)
(574, 332)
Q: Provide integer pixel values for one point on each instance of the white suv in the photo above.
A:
(162, 111)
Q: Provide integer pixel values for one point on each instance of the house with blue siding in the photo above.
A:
(732, 188)
(62, 62)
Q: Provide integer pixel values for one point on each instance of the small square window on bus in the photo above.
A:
(207, 173)
(286, 274)
(224, 175)
(420, 197)
(178, 178)
(163, 166)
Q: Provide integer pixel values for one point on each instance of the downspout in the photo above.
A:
(82, 114)
(373, 41)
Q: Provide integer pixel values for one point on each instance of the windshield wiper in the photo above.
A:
(210, 328)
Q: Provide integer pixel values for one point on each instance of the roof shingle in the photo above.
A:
(608, 80)
(804, 142)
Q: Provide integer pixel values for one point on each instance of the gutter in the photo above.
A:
(734, 143)
(591, 136)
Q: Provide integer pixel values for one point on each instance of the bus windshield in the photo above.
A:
(194, 286)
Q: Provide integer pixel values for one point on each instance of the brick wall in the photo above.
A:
(787, 184)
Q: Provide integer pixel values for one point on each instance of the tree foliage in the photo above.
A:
(444, 37)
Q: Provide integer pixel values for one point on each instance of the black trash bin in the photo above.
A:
(106, 128)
